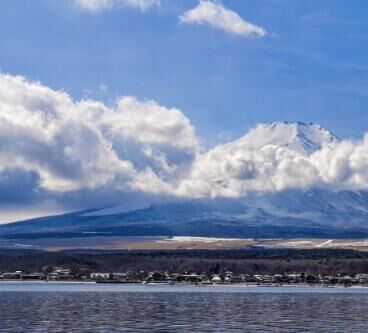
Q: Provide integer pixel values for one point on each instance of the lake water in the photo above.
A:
(51, 307)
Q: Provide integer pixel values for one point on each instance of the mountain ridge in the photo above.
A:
(313, 212)
(300, 136)
(285, 215)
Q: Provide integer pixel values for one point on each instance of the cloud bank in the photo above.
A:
(244, 166)
(52, 146)
(78, 154)
(219, 17)
(98, 5)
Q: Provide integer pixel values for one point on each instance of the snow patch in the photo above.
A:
(121, 209)
(187, 239)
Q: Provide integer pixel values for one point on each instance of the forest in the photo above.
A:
(319, 261)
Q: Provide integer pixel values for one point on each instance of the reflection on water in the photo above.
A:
(56, 311)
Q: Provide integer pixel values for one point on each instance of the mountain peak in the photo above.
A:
(302, 137)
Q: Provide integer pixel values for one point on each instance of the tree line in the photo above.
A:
(321, 261)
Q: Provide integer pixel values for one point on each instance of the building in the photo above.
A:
(33, 276)
(100, 276)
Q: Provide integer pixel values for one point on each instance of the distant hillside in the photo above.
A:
(289, 214)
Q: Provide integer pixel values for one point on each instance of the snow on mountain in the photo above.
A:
(289, 214)
(119, 209)
(277, 157)
(298, 136)
(279, 180)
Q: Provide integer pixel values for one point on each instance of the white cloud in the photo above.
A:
(150, 123)
(97, 5)
(263, 161)
(56, 149)
(217, 16)
(73, 146)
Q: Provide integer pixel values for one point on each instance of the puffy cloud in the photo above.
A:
(262, 161)
(97, 5)
(58, 145)
(44, 131)
(66, 154)
(344, 164)
(146, 133)
(217, 16)
(150, 123)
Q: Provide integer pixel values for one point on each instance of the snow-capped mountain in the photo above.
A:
(238, 202)
(271, 157)
(289, 214)
(298, 136)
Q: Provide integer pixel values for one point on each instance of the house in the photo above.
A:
(363, 278)
(100, 276)
(193, 277)
(155, 277)
(11, 275)
(119, 276)
(33, 276)
(237, 279)
(216, 279)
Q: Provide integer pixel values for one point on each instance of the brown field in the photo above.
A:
(166, 243)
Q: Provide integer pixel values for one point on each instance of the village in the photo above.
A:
(58, 274)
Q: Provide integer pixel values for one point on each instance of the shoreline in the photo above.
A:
(181, 285)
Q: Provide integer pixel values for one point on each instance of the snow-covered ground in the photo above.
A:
(186, 239)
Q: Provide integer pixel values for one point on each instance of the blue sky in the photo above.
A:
(136, 97)
(311, 66)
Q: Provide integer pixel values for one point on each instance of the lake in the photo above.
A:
(73, 307)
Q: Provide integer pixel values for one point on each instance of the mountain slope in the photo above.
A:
(288, 214)
(298, 136)
(260, 214)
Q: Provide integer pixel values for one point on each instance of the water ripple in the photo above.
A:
(182, 312)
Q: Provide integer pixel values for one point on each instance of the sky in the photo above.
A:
(118, 96)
